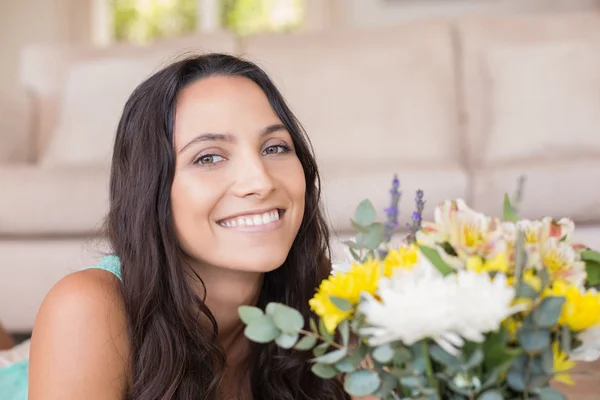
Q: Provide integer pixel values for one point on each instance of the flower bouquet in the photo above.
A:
(468, 307)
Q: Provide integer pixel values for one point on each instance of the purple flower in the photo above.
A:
(416, 217)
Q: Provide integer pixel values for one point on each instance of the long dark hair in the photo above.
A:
(171, 357)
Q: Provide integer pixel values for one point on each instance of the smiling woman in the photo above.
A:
(214, 204)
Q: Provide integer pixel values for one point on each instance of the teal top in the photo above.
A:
(13, 379)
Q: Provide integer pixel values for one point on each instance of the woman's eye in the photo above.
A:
(275, 150)
(209, 159)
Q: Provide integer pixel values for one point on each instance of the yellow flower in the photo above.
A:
(562, 364)
(498, 263)
(581, 309)
(360, 278)
(403, 257)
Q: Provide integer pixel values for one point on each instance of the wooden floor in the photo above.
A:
(587, 382)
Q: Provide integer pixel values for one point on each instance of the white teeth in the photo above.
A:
(252, 220)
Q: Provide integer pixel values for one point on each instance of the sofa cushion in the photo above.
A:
(518, 85)
(555, 189)
(93, 99)
(379, 93)
(543, 102)
(52, 201)
(346, 185)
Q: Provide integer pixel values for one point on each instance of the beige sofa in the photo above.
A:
(457, 108)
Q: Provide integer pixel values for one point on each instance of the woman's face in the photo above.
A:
(238, 193)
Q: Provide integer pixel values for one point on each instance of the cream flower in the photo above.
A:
(468, 232)
(562, 261)
(589, 350)
(420, 303)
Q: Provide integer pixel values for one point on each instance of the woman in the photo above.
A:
(214, 203)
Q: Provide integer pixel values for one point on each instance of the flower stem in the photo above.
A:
(428, 367)
(321, 338)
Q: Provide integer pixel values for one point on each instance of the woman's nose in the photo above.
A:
(252, 178)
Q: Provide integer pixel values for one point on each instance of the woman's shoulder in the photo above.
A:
(81, 334)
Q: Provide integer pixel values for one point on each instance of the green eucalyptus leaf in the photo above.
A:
(548, 393)
(401, 356)
(546, 361)
(287, 319)
(362, 383)
(525, 291)
(358, 227)
(475, 360)
(262, 330)
(332, 357)
(365, 213)
(344, 329)
(328, 337)
(443, 357)
(509, 212)
(491, 395)
(324, 371)
(286, 341)
(497, 354)
(248, 313)
(516, 380)
(346, 364)
(544, 276)
(270, 309)
(351, 244)
(383, 354)
(566, 339)
(538, 381)
(341, 303)
(374, 236)
(306, 343)
(434, 257)
(388, 383)
(320, 349)
(313, 326)
(411, 382)
(534, 341)
(355, 255)
(547, 313)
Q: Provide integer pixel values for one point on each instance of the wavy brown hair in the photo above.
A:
(171, 357)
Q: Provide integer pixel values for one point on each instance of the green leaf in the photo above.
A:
(593, 272)
(365, 213)
(351, 244)
(270, 309)
(491, 395)
(346, 365)
(262, 330)
(374, 236)
(320, 349)
(332, 357)
(590, 255)
(411, 382)
(359, 228)
(434, 257)
(324, 371)
(443, 357)
(546, 361)
(544, 276)
(313, 326)
(547, 313)
(509, 212)
(344, 329)
(383, 353)
(516, 380)
(389, 383)
(401, 356)
(306, 343)
(286, 341)
(362, 383)
(525, 291)
(355, 255)
(550, 394)
(534, 341)
(328, 337)
(498, 356)
(248, 314)
(538, 381)
(287, 319)
(566, 339)
(475, 359)
(341, 303)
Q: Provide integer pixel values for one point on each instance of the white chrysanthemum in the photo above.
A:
(417, 305)
(589, 350)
